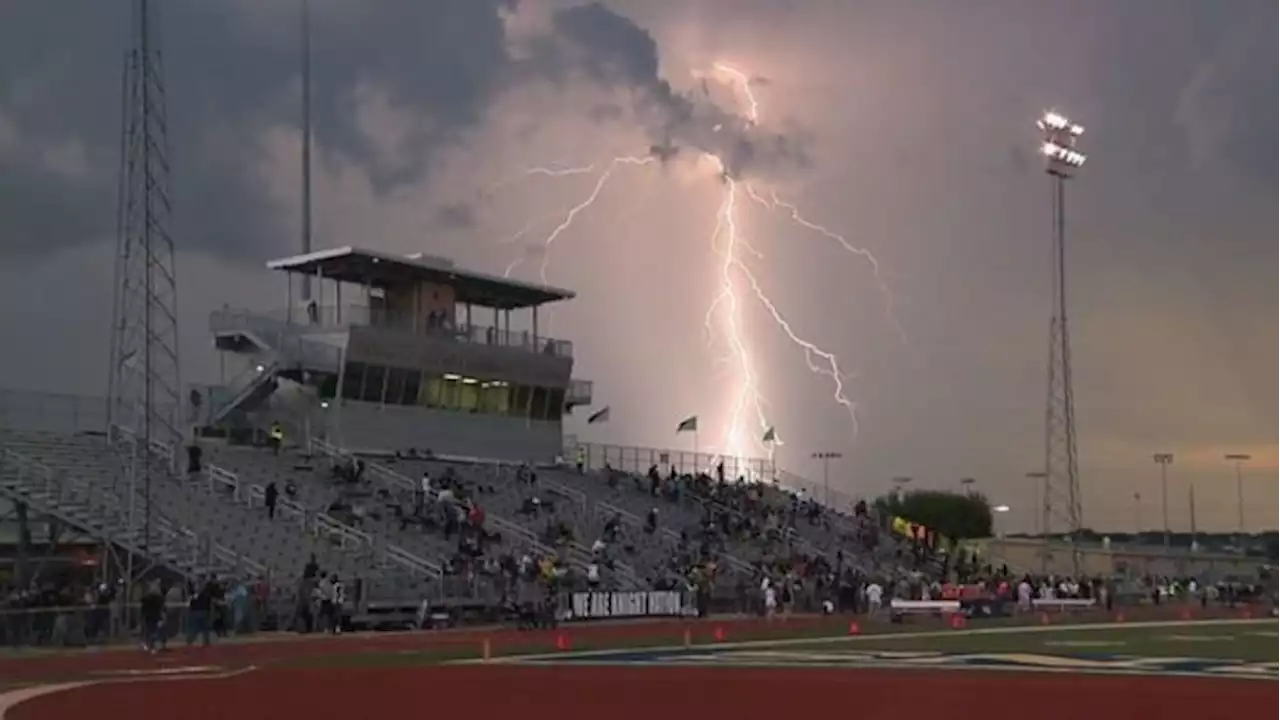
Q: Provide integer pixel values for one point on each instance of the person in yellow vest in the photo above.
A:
(275, 437)
(582, 460)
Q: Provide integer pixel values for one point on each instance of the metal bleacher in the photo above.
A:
(211, 521)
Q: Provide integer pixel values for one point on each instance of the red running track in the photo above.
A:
(649, 693)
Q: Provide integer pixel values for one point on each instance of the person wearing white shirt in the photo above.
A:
(770, 600)
(593, 575)
(1024, 596)
(875, 596)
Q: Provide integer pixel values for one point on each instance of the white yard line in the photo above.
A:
(10, 699)
(872, 637)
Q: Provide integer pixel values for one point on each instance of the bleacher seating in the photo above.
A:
(379, 527)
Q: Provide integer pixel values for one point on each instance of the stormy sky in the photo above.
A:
(907, 126)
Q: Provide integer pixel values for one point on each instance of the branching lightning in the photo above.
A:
(568, 217)
(747, 413)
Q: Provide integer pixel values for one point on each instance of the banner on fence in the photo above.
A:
(652, 603)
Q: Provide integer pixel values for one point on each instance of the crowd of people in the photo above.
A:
(158, 609)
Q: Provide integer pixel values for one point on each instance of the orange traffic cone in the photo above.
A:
(718, 634)
(957, 621)
(562, 641)
(1044, 618)
(853, 628)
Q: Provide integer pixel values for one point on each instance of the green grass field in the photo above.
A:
(1254, 641)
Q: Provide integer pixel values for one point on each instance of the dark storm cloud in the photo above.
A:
(1224, 126)
(228, 81)
(456, 215)
(614, 51)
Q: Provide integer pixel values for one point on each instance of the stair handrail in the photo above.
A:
(58, 484)
(397, 480)
(258, 374)
(412, 562)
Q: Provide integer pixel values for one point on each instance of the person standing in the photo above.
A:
(152, 617)
(199, 606)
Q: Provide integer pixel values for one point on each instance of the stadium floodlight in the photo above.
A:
(1239, 459)
(1164, 460)
(1059, 144)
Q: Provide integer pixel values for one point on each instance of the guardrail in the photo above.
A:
(398, 481)
(634, 520)
(278, 338)
(638, 460)
(341, 318)
(183, 545)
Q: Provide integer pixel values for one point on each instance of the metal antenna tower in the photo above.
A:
(306, 140)
(145, 383)
(1061, 496)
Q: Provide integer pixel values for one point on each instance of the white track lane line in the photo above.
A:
(871, 637)
(13, 698)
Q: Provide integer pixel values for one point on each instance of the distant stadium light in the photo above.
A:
(1059, 143)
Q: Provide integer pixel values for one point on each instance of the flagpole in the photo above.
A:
(697, 461)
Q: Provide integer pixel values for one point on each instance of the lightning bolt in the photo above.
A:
(735, 281)
(773, 202)
(747, 398)
(571, 215)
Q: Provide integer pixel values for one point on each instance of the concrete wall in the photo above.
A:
(1029, 555)
(366, 426)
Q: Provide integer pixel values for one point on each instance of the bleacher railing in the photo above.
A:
(239, 388)
(514, 531)
(179, 546)
(632, 459)
(278, 337)
(330, 317)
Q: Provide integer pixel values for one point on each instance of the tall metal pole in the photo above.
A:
(148, 218)
(1137, 513)
(145, 388)
(306, 142)
(1061, 466)
(1191, 511)
(1164, 460)
(826, 458)
(1239, 459)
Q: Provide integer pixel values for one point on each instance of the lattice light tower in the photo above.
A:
(145, 383)
(1061, 496)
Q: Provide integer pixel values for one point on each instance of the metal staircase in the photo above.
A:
(276, 349)
(104, 515)
(248, 394)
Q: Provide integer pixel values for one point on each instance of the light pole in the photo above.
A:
(1000, 511)
(1059, 137)
(1164, 460)
(1239, 459)
(1137, 513)
(966, 485)
(1041, 518)
(826, 458)
(901, 484)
